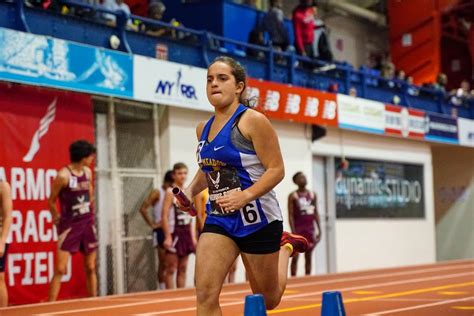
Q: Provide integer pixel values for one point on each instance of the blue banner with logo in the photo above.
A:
(440, 128)
(46, 61)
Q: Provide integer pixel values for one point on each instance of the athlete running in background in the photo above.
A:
(155, 200)
(5, 223)
(180, 237)
(75, 222)
(241, 163)
(302, 214)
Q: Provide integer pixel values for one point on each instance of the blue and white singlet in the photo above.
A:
(228, 168)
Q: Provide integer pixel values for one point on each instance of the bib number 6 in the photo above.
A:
(250, 214)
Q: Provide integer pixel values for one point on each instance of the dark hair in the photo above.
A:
(296, 176)
(80, 149)
(239, 74)
(179, 165)
(168, 178)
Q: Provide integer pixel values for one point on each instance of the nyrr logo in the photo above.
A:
(176, 88)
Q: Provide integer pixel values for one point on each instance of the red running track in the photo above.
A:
(441, 289)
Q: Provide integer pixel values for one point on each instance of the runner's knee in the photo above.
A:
(207, 295)
(272, 300)
(60, 270)
(90, 267)
(171, 267)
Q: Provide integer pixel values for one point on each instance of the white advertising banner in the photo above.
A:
(466, 132)
(169, 83)
(361, 114)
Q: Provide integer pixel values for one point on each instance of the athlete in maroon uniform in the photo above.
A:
(5, 223)
(303, 213)
(180, 237)
(75, 222)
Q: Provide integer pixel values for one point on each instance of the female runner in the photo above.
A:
(240, 163)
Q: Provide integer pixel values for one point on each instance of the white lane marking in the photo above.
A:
(420, 306)
(320, 292)
(438, 267)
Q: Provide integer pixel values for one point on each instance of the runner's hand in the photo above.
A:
(56, 218)
(181, 206)
(234, 200)
(168, 242)
(317, 238)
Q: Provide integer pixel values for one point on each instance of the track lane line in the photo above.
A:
(372, 298)
(172, 311)
(445, 266)
(68, 311)
(420, 306)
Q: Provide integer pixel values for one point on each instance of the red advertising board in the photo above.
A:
(36, 128)
(280, 101)
(405, 122)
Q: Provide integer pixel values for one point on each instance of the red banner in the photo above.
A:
(280, 101)
(36, 128)
(405, 122)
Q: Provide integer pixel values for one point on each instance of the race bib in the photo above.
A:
(72, 182)
(220, 183)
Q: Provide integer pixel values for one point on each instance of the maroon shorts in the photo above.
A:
(182, 241)
(77, 235)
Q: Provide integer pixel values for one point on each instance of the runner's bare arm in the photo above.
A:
(152, 198)
(167, 203)
(291, 210)
(199, 182)
(200, 206)
(59, 182)
(91, 187)
(196, 186)
(316, 218)
(256, 127)
(6, 208)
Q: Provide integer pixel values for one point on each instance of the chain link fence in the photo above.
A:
(127, 256)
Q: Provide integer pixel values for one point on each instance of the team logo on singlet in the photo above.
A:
(45, 121)
(220, 183)
(216, 181)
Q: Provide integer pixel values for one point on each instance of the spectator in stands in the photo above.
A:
(303, 25)
(116, 5)
(454, 112)
(441, 82)
(273, 24)
(465, 89)
(256, 38)
(388, 70)
(401, 75)
(321, 46)
(460, 96)
(410, 80)
(353, 92)
(155, 12)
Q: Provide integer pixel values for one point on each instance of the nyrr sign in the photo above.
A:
(169, 83)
